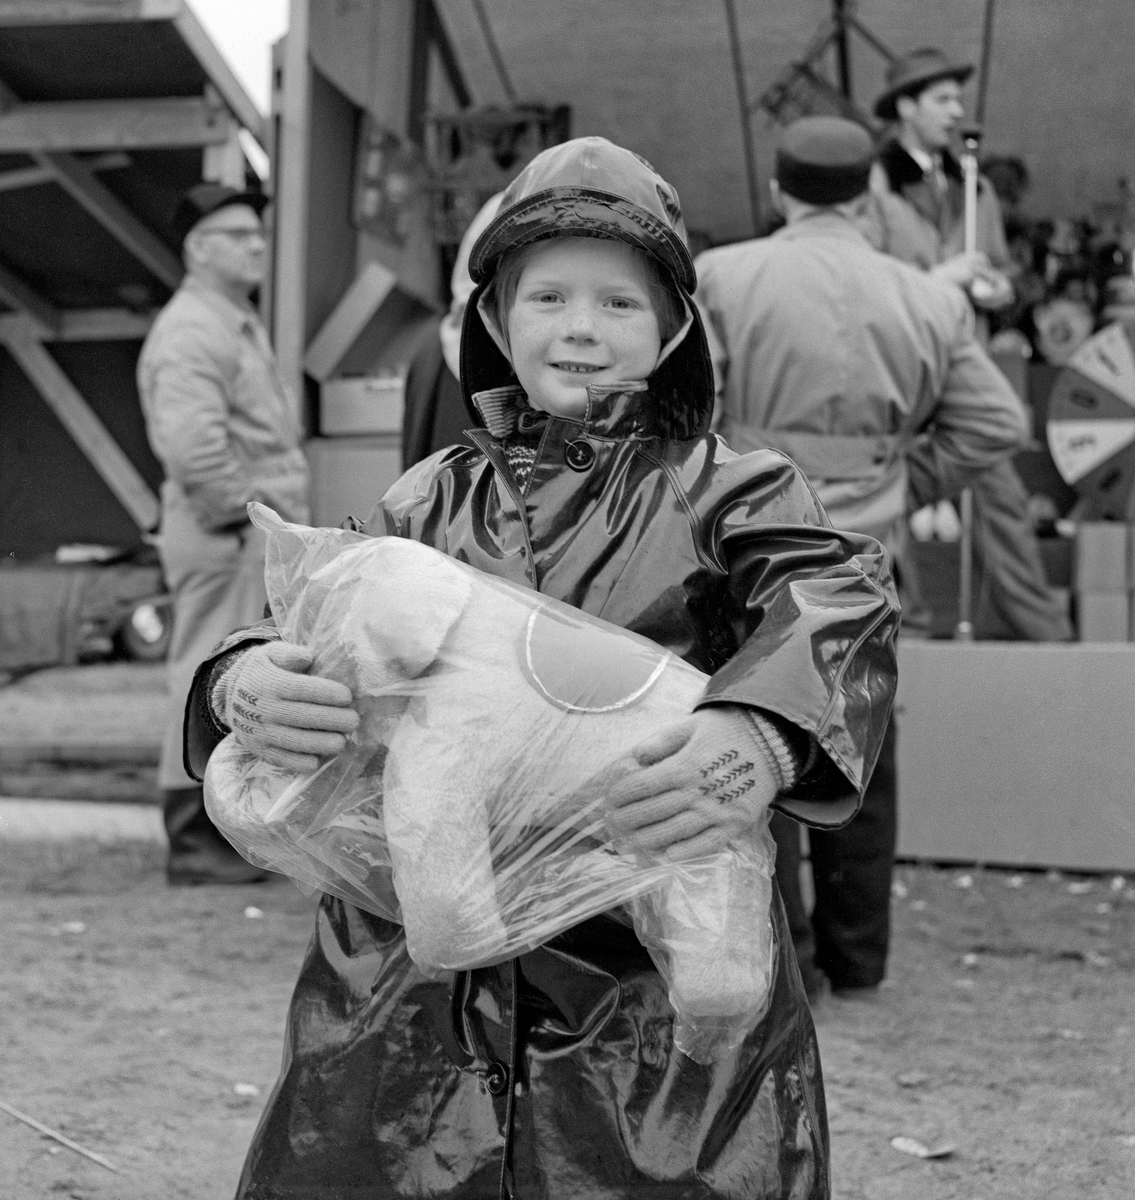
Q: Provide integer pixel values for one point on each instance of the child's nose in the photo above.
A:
(579, 322)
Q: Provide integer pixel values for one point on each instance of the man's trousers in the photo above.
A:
(848, 933)
(217, 582)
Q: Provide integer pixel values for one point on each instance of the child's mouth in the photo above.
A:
(577, 368)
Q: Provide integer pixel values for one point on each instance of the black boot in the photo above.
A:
(197, 851)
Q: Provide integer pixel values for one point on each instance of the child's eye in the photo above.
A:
(622, 302)
(546, 297)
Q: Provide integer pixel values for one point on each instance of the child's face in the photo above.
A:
(582, 316)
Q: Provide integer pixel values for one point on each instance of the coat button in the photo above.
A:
(496, 1079)
(580, 456)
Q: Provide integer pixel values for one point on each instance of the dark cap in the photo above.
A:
(824, 160)
(588, 187)
(206, 198)
(912, 73)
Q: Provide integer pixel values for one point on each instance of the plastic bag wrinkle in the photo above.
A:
(464, 807)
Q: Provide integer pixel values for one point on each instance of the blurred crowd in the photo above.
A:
(1069, 275)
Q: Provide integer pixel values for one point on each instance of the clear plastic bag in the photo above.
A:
(465, 806)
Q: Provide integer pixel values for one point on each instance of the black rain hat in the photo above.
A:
(824, 160)
(592, 188)
(589, 187)
(912, 73)
(207, 198)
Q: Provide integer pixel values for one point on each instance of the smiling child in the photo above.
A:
(594, 480)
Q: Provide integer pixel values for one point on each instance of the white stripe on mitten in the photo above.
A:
(278, 712)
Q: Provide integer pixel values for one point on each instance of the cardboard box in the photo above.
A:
(1103, 616)
(353, 407)
(1101, 557)
(350, 475)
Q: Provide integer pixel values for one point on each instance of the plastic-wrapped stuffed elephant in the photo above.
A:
(465, 806)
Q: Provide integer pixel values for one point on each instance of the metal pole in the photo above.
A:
(983, 69)
(842, 49)
(494, 51)
(963, 631)
(746, 116)
(971, 139)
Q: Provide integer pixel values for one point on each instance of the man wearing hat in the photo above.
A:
(919, 184)
(917, 214)
(866, 373)
(226, 432)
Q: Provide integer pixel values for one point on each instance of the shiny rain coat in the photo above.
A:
(554, 1075)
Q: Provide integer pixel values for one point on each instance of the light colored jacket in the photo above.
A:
(217, 413)
(863, 370)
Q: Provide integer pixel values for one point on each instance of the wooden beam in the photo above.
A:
(291, 185)
(77, 178)
(420, 41)
(103, 325)
(86, 325)
(80, 183)
(26, 177)
(84, 12)
(76, 125)
(224, 163)
(220, 74)
(65, 400)
(347, 320)
(18, 295)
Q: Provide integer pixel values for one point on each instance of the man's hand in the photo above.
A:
(281, 715)
(991, 290)
(962, 269)
(988, 288)
(692, 788)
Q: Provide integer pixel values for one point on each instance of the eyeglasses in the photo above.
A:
(238, 235)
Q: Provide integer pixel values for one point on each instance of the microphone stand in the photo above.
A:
(963, 631)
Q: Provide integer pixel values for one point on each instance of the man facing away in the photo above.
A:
(227, 432)
(865, 372)
(917, 214)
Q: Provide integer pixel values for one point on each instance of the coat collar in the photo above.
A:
(902, 170)
(824, 223)
(617, 410)
(236, 316)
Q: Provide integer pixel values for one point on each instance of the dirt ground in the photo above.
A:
(132, 1013)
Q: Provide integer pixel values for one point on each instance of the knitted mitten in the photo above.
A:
(701, 782)
(280, 714)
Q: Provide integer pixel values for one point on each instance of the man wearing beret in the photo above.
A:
(226, 432)
(866, 373)
(917, 214)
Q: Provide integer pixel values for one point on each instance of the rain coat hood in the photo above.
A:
(589, 187)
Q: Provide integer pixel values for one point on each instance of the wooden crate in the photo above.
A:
(350, 474)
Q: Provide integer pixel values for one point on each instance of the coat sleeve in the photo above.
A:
(979, 420)
(201, 731)
(815, 614)
(185, 382)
